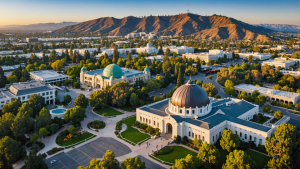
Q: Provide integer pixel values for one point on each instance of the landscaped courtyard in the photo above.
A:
(177, 153)
(107, 111)
(133, 134)
(78, 139)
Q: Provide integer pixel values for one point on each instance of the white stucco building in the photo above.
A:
(112, 74)
(211, 55)
(256, 55)
(270, 94)
(48, 76)
(282, 62)
(179, 49)
(293, 73)
(23, 91)
(190, 112)
(148, 49)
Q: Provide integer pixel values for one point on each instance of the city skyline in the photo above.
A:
(254, 12)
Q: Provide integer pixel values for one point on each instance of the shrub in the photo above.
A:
(97, 124)
(267, 108)
(54, 150)
(157, 129)
(185, 139)
(136, 123)
(261, 148)
(119, 125)
(178, 139)
(143, 126)
(149, 129)
(165, 150)
(116, 132)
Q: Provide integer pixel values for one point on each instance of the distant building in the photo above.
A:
(148, 49)
(13, 67)
(279, 47)
(271, 94)
(179, 49)
(282, 62)
(112, 74)
(48, 76)
(32, 40)
(260, 56)
(158, 57)
(23, 91)
(211, 55)
(292, 73)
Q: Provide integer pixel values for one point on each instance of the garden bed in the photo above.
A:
(54, 150)
(71, 139)
(96, 124)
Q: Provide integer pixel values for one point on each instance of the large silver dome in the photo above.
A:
(190, 95)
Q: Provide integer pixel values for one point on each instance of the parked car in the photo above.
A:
(53, 161)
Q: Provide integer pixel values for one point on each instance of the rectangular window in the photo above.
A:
(254, 139)
(157, 124)
(235, 132)
(28, 96)
(51, 96)
(154, 123)
(245, 136)
(240, 134)
(146, 120)
(143, 119)
(250, 138)
(260, 141)
(51, 92)
(189, 134)
(140, 118)
(193, 111)
(220, 134)
(23, 98)
(43, 94)
(200, 110)
(202, 138)
(180, 111)
(213, 138)
(47, 93)
(195, 135)
(192, 134)
(187, 112)
(149, 121)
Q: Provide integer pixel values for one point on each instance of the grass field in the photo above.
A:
(107, 111)
(78, 139)
(133, 134)
(260, 159)
(177, 153)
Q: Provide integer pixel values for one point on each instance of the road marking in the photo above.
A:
(97, 148)
(84, 153)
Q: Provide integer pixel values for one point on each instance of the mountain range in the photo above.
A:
(212, 27)
(281, 27)
(37, 27)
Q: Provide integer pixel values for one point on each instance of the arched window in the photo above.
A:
(187, 112)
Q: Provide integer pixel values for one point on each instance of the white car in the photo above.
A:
(53, 161)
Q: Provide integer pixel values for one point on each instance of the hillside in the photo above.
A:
(281, 27)
(215, 26)
(37, 27)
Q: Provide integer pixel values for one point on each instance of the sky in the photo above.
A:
(23, 12)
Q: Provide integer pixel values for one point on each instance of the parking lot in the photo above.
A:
(82, 155)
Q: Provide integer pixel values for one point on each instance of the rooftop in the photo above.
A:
(47, 74)
(18, 89)
(264, 90)
(126, 72)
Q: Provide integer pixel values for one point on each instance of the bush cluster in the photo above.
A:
(119, 125)
(54, 150)
(288, 106)
(163, 151)
(97, 124)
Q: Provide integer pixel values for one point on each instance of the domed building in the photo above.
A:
(110, 75)
(148, 49)
(190, 112)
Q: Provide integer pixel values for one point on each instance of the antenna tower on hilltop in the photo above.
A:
(188, 11)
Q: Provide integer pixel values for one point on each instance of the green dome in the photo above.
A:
(113, 70)
(83, 69)
(147, 68)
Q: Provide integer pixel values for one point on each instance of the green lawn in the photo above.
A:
(133, 134)
(80, 138)
(177, 153)
(108, 111)
(260, 159)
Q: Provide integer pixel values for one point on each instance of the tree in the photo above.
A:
(98, 98)
(12, 106)
(6, 121)
(81, 101)
(280, 163)
(72, 129)
(283, 141)
(167, 68)
(34, 138)
(267, 108)
(12, 79)
(75, 115)
(229, 141)
(43, 119)
(261, 99)
(74, 71)
(191, 70)
(35, 161)
(180, 77)
(229, 87)
(119, 93)
(152, 85)
(57, 65)
(297, 106)
(133, 163)
(239, 159)
(115, 56)
(188, 162)
(2, 79)
(278, 115)
(210, 89)
(36, 102)
(134, 100)
(109, 158)
(67, 98)
(43, 132)
(208, 155)
(11, 150)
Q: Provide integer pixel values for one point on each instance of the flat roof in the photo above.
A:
(126, 72)
(27, 88)
(47, 74)
(264, 90)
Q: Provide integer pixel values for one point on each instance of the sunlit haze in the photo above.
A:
(20, 12)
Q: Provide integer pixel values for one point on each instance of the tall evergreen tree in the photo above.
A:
(67, 56)
(180, 76)
(128, 62)
(2, 79)
(115, 57)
